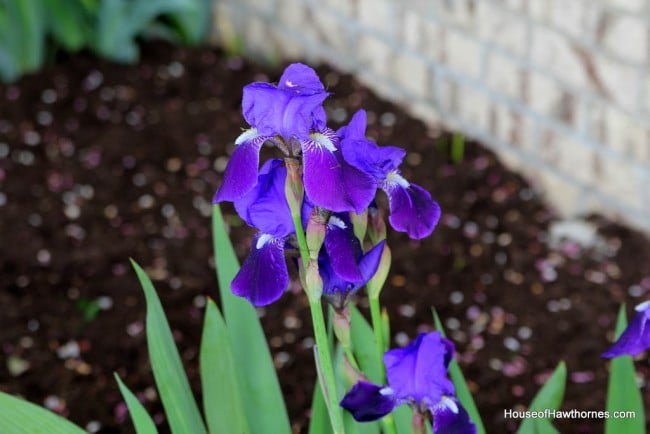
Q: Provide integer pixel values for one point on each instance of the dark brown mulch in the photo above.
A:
(101, 162)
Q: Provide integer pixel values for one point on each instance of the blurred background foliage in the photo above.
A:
(32, 31)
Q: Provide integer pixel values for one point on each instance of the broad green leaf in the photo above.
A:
(549, 397)
(265, 410)
(141, 420)
(623, 393)
(364, 346)
(175, 393)
(319, 422)
(194, 23)
(462, 391)
(222, 400)
(66, 22)
(30, 19)
(21, 417)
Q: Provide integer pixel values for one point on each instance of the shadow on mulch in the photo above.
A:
(101, 162)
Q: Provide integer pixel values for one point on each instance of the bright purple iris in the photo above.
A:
(411, 208)
(291, 117)
(417, 375)
(636, 337)
(342, 264)
(263, 277)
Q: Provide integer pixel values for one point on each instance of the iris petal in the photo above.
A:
(418, 371)
(449, 417)
(263, 276)
(265, 207)
(411, 209)
(333, 184)
(241, 173)
(634, 339)
(343, 249)
(367, 402)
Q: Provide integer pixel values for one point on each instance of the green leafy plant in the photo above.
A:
(110, 28)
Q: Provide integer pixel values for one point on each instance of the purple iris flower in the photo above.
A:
(342, 264)
(263, 277)
(411, 208)
(417, 375)
(291, 117)
(636, 337)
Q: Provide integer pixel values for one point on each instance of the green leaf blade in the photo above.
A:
(175, 392)
(222, 401)
(550, 397)
(21, 417)
(265, 409)
(141, 420)
(623, 394)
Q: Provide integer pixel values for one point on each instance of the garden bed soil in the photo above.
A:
(100, 163)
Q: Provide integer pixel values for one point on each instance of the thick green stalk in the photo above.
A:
(294, 191)
(388, 422)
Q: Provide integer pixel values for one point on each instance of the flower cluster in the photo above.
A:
(341, 172)
(417, 375)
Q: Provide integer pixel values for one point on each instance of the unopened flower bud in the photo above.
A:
(360, 224)
(376, 224)
(313, 281)
(376, 283)
(316, 231)
(293, 187)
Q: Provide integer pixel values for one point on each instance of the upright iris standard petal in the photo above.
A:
(332, 183)
(450, 417)
(241, 173)
(265, 207)
(291, 108)
(300, 79)
(636, 337)
(418, 371)
(364, 154)
(367, 402)
(411, 208)
(263, 276)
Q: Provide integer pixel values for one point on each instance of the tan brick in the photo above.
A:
(433, 40)
(327, 28)
(568, 16)
(627, 136)
(342, 7)
(629, 5)
(411, 73)
(544, 95)
(459, 12)
(463, 54)
(377, 15)
(623, 180)
(552, 51)
(501, 28)
(622, 83)
(291, 14)
(373, 54)
(577, 160)
(473, 107)
(503, 76)
(540, 10)
(411, 29)
(627, 37)
(566, 197)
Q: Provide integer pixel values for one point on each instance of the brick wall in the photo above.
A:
(559, 89)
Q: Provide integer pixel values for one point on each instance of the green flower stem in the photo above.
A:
(375, 316)
(294, 191)
(328, 381)
(388, 422)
